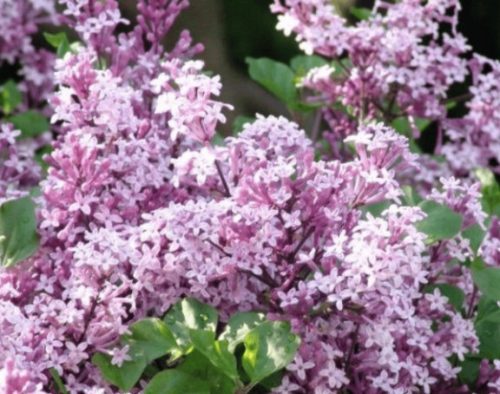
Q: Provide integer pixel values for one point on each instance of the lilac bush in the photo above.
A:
(384, 260)
(399, 62)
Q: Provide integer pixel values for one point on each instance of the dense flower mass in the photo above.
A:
(476, 137)
(390, 52)
(399, 62)
(19, 21)
(139, 208)
(19, 172)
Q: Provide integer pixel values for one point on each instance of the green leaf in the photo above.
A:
(59, 41)
(414, 148)
(269, 347)
(490, 191)
(61, 388)
(441, 222)
(377, 208)
(470, 370)
(18, 236)
(302, 64)
(173, 381)
(276, 77)
(410, 196)
(148, 340)
(402, 125)
(218, 140)
(486, 307)
(215, 351)
(493, 317)
(30, 123)
(151, 338)
(10, 97)
(197, 364)
(190, 314)
(487, 325)
(361, 13)
(455, 295)
(124, 377)
(475, 234)
(272, 381)
(238, 326)
(488, 281)
(488, 332)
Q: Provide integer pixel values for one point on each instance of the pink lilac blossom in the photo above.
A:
(19, 172)
(272, 232)
(14, 381)
(139, 210)
(399, 62)
(475, 138)
(111, 165)
(490, 248)
(19, 22)
(390, 53)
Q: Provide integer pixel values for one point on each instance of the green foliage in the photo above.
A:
(487, 321)
(190, 314)
(239, 325)
(216, 352)
(469, 370)
(488, 332)
(152, 337)
(302, 64)
(410, 196)
(269, 347)
(173, 381)
(402, 125)
(490, 191)
(149, 339)
(124, 377)
(485, 307)
(377, 208)
(475, 234)
(455, 295)
(276, 77)
(30, 123)
(61, 388)
(487, 280)
(361, 13)
(10, 97)
(198, 365)
(59, 41)
(182, 353)
(18, 236)
(242, 37)
(441, 222)
(218, 140)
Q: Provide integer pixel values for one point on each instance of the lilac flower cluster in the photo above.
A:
(475, 138)
(111, 164)
(19, 21)
(399, 62)
(19, 172)
(139, 209)
(397, 52)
